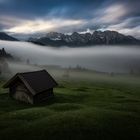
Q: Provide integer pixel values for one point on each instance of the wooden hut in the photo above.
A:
(31, 87)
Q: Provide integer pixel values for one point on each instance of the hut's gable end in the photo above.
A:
(22, 93)
(13, 86)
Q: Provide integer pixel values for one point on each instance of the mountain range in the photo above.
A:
(76, 39)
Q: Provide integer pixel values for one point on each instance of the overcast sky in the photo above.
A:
(37, 16)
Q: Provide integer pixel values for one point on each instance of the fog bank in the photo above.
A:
(101, 58)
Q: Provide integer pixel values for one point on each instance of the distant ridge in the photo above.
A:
(77, 39)
(4, 36)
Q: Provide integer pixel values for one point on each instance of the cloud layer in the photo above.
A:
(35, 16)
(103, 58)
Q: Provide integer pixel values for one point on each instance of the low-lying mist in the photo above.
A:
(102, 58)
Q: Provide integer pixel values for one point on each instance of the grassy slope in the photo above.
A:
(100, 107)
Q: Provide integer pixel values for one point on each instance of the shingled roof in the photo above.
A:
(36, 82)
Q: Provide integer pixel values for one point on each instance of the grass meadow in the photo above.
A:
(86, 106)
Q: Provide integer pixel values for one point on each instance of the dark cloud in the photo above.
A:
(74, 8)
(46, 7)
(96, 13)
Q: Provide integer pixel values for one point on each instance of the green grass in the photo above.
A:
(92, 106)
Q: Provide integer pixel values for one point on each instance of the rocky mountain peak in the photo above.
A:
(77, 39)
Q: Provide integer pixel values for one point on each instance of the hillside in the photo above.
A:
(97, 107)
(4, 36)
(4, 54)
